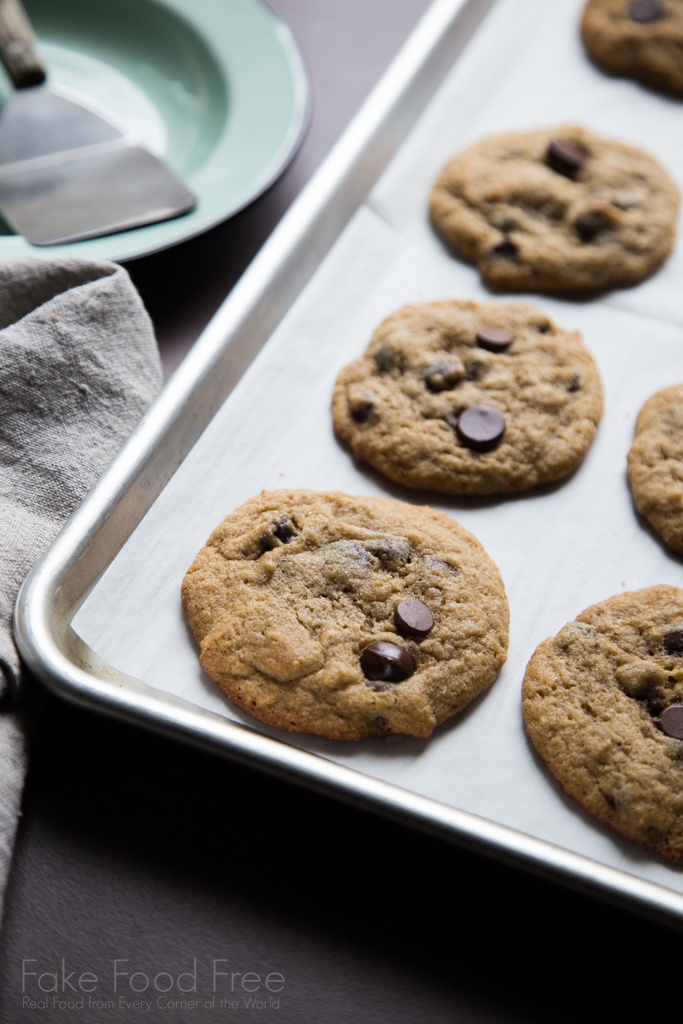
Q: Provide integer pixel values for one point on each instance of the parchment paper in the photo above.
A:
(559, 548)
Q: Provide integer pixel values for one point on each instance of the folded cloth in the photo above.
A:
(78, 368)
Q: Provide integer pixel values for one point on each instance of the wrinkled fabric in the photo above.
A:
(78, 368)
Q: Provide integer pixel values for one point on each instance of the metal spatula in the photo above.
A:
(66, 173)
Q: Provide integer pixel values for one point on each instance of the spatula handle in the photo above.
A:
(18, 46)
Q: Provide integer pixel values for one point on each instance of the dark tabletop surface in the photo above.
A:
(135, 849)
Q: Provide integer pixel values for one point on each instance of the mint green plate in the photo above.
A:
(216, 88)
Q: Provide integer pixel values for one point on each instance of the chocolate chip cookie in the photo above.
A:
(346, 617)
(470, 398)
(603, 703)
(655, 464)
(640, 39)
(556, 210)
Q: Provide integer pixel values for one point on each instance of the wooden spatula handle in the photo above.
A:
(18, 46)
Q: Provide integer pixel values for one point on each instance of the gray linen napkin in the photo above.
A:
(78, 368)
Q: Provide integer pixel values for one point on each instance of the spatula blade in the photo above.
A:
(66, 174)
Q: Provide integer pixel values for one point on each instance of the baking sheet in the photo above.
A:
(559, 548)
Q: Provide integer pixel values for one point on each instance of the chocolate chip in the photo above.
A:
(480, 427)
(590, 224)
(574, 383)
(644, 11)
(280, 531)
(494, 339)
(565, 157)
(442, 375)
(671, 721)
(506, 247)
(413, 618)
(673, 642)
(386, 661)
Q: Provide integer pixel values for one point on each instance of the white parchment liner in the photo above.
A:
(559, 549)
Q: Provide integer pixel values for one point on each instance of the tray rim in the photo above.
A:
(53, 591)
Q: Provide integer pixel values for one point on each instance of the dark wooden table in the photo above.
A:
(138, 850)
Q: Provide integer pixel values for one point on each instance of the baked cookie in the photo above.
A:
(470, 398)
(346, 617)
(556, 210)
(641, 39)
(655, 464)
(603, 704)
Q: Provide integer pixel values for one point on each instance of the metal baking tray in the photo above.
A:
(56, 588)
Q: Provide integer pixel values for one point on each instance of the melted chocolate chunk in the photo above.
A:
(442, 375)
(362, 409)
(473, 369)
(441, 564)
(645, 11)
(565, 157)
(413, 618)
(494, 339)
(590, 224)
(506, 247)
(386, 358)
(671, 721)
(387, 662)
(347, 550)
(673, 642)
(481, 427)
(392, 552)
(280, 531)
(575, 383)
(284, 529)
